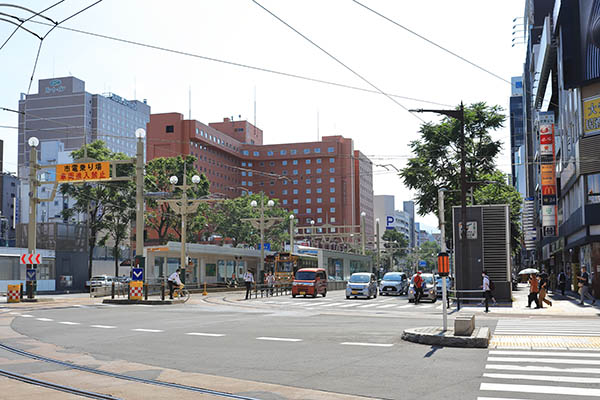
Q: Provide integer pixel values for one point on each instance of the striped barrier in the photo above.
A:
(13, 295)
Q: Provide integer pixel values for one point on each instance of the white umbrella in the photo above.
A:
(528, 271)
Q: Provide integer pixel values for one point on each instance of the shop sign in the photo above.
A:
(83, 172)
(591, 115)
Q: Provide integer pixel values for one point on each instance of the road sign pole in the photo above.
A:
(443, 248)
(31, 228)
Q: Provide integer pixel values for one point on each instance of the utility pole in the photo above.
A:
(362, 232)
(443, 253)
(378, 248)
(291, 233)
(139, 200)
(33, 201)
(460, 116)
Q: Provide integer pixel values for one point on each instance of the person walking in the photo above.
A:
(270, 283)
(533, 291)
(418, 283)
(172, 281)
(562, 281)
(544, 290)
(248, 281)
(584, 287)
(487, 291)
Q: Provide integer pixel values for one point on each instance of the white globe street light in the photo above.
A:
(140, 133)
(253, 203)
(173, 180)
(270, 203)
(195, 179)
(33, 141)
(291, 217)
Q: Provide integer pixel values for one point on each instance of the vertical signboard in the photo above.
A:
(547, 174)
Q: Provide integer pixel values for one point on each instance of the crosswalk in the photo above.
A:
(387, 304)
(548, 327)
(551, 374)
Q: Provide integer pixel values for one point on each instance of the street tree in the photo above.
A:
(100, 199)
(160, 218)
(436, 161)
(395, 243)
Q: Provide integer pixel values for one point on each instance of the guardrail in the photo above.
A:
(265, 290)
(456, 295)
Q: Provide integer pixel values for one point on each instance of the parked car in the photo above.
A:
(395, 283)
(429, 292)
(310, 281)
(438, 285)
(362, 284)
(99, 280)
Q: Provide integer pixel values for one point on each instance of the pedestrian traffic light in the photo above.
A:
(443, 264)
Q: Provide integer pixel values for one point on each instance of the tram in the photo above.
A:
(285, 264)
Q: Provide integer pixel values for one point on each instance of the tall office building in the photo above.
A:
(316, 181)
(63, 116)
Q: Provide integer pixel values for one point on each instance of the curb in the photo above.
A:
(480, 337)
(148, 302)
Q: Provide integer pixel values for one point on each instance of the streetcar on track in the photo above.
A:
(284, 265)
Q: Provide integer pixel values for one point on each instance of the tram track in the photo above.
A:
(96, 371)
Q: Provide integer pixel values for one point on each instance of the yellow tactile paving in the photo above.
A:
(517, 341)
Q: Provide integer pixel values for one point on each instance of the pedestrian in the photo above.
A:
(562, 281)
(533, 291)
(248, 280)
(418, 284)
(584, 287)
(544, 290)
(487, 291)
(270, 283)
(172, 281)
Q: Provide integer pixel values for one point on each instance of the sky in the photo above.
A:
(287, 109)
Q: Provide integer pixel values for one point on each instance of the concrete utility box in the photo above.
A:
(464, 325)
(488, 247)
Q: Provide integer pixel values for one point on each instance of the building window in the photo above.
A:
(319, 210)
(295, 172)
(331, 160)
(262, 164)
(308, 171)
(243, 183)
(249, 173)
(292, 152)
(245, 152)
(272, 183)
(319, 190)
(243, 163)
(332, 219)
(272, 193)
(197, 131)
(319, 200)
(317, 150)
(308, 201)
(284, 191)
(256, 154)
(332, 180)
(169, 129)
(249, 164)
(318, 161)
(295, 211)
(243, 173)
(308, 210)
(271, 163)
(283, 152)
(308, 191)
(284, 172)
(593, 188)
(269, 153)
(319, 170)
(250, 183)
(295, 201)
(307, 181)
(319, 220)
(295, 191)
(284, 163)
(308, 161)
(295, 181)
(331, 190)
(319, 180)
(330, 149)
(306, 151)
(295, 162)
(332, 209)
(284, 201)
(332, 199)
(285, 181)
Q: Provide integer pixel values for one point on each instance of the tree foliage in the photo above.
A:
(436, 161)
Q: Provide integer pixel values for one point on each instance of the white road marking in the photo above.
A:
(570, 379)
(205, 334)
(349, 305)
(407, 305)
(147, 330)
(26, 316)
(332, 304)
(14, 313)
(103, 326)
(543, 360)
(45, 319)
(367, 344)
(81, 306)
(565, 390)
(387, 306)
(368, 305)
(543, 353)
(279, 339)
(536, 368)
(497, 398)
(69, 323)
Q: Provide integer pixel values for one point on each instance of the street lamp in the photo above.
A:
(362, 231)
(140, 134)
(291, 217)
(378, 249)
(33, 201)
(262, 223)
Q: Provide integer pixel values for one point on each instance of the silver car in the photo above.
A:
(362, 284)
(395, 283)
(429, 292)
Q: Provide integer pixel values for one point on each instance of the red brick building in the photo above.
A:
(326, 181)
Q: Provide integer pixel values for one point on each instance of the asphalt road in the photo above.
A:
(358, 354)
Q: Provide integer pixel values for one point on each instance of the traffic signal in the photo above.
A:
(443, 264)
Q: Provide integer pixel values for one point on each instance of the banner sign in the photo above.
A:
(547, 174)
(83, 172)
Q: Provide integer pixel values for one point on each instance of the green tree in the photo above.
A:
(396, 243)
(100, 199)
(159, 216)
(436, 161)
(502, 193)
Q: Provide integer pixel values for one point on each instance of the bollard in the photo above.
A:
(145, 290)
(21, 291)
(112, 290)
(205, 293)
(162, 291)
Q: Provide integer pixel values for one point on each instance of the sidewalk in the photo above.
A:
(562, 306)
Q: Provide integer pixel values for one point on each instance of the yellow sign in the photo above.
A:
(547, 174)
(83, 172)
(591, 115)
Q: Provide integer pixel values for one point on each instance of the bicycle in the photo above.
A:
(181, 293)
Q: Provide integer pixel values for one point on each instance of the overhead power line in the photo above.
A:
(431, 42)
(237, 64)
(34, 14)
(336, 59)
